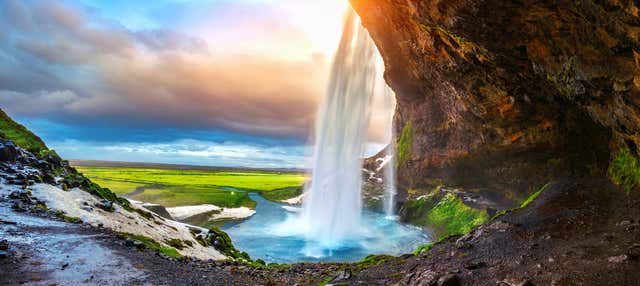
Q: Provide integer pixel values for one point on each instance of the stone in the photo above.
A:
(129, 243)
(618, 259)
(472, 265)
(515, 282)
(8, 151)
(4, 254)
(105, 205)
(449, 280)
(4, 245)
(342, 275)
(18, 207)
(424, 278)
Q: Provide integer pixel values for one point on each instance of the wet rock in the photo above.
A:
(424, 278)
(18, 207)
(17, 195)
(53, 159)
(515, 282)
(342, 275)
(8, 222)
(449, 280)
(105, 205)
(8, 151)
(129, 243)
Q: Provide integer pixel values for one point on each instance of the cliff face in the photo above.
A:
(505, 96)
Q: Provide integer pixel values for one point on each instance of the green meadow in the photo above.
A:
(173, 187)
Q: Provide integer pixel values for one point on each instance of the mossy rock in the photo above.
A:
(445, 214)
(152, 244)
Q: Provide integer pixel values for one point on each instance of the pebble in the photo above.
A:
(619, 258)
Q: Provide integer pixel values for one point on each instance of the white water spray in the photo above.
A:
(390, 166)
(333, 204)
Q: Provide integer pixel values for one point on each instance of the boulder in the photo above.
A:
(8, 151)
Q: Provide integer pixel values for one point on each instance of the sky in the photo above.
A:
(210, 82)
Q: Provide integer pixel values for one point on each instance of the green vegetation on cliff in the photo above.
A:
(20, 135)
(445, 214)
(404, 144)
(152, 244)
(624, 170)
(533, 196)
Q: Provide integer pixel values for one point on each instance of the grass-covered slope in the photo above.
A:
(20, 135)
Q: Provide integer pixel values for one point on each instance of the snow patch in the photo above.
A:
(183, 212)
(233, 213)
(295, 200)
(80, 204)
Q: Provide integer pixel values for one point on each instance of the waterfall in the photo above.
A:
(333, 204)
(390, 190)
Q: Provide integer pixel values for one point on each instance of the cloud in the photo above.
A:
(189, 151)
(67, 63)
(156, 76)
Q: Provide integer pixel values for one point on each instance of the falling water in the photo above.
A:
(332, 226)
(390, 166)
(333, 204)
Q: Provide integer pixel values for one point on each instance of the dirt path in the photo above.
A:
(45, 251)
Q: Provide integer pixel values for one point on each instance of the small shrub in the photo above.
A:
(624, 170)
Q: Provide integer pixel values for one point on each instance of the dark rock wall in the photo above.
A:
(504, 96)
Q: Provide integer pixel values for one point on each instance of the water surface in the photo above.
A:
(272, 234)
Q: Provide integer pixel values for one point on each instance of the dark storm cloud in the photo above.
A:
(60, 61)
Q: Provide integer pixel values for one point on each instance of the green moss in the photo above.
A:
(152, 244)
(533, 196)
(21, 136)
(373, 260)
(524, 203)
(61, 215)
(222, 243)
(176, 243)
(624, 170)
(404, 144)
(454, 217)
(447, 215)
(325, 281)
(423, 248)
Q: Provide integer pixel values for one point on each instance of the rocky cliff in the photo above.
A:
(502, 97)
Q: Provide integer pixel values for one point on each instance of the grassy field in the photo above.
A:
(171, 187)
